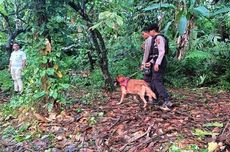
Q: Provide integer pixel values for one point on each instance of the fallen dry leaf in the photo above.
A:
(40, 117)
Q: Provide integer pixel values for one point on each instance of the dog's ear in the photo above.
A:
(120, 78)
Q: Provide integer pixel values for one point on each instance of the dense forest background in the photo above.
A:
(75, 48)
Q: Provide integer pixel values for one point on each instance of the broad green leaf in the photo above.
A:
(65, 86)
(165, 30)
(214, 124)
(50, 71)
(1, 1)
(212, 146)
(199, 54)
(157, 6)
(104, 15)
(182, 25)
(119, 20)
(2, 10)
(54, 94)
(202, 133)
(110, 24)
(191, 3)
(50, 106)
(39, 95)
(220, 11)
(201, 11)
(95, 26)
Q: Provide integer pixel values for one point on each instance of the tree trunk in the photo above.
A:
(91, 61)
(42, 20)
(103, 60)
(11, 39)
(183, 40)
(99, 44)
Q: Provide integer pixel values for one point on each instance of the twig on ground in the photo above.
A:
(115, 123)
(223, 131)
(150, 140)
(146, 133)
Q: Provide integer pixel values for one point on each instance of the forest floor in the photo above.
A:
(199, 120)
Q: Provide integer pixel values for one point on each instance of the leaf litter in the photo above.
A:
(199, 117)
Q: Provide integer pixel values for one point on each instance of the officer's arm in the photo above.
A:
(148, 43)
(160, 41)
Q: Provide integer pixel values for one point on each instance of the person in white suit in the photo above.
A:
(17, 64)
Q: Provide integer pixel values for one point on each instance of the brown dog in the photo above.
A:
(135, 87)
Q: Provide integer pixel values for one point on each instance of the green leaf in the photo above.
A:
(182, 25)
(202, 133)
(54, 94)
(157, 6)
(65, 86)
(95, 26)
(104, 15)
(119, 20)
(191, 3)
(50, 71)
(201, 11)
(1, 1)
(50, 106)
(214, 124)
(165, 30)
(110, 24)
(39, 95)
(2, 10)
(199, 54)
(221, 11)
(44, 60)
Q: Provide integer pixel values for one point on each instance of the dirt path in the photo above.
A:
(106, 126)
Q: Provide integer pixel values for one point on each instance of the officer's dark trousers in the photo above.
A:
(148, 77)
(157, 81)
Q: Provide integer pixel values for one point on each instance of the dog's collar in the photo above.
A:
(125, 82)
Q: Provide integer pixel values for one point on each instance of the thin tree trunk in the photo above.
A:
(42, 20)
(184, 39)
(91, 61)
(99, 44)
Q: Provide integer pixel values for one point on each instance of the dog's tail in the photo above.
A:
(150, 92)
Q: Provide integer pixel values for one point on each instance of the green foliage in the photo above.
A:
(189, 148)
(182, 25)
(5, 80)
(202, 133)
(120, 22)
(3, 59)
(19, 135)
(214, 124)
(157, 6)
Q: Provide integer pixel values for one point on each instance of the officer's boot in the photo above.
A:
(167, 102)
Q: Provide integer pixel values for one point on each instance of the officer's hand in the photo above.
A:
(147, 64)
(143, 46)
(156, 67)
(142, 66)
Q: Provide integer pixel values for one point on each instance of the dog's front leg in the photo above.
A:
(123, 93)
(122, 98)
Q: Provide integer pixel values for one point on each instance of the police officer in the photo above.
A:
(147, 57)
(159, 49)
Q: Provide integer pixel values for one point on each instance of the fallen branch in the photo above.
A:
(135, 139)
(225, 128)
(150, 140)
(115, 123)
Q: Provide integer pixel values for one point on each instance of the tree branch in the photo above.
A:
(7, 21)
(77, 7)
